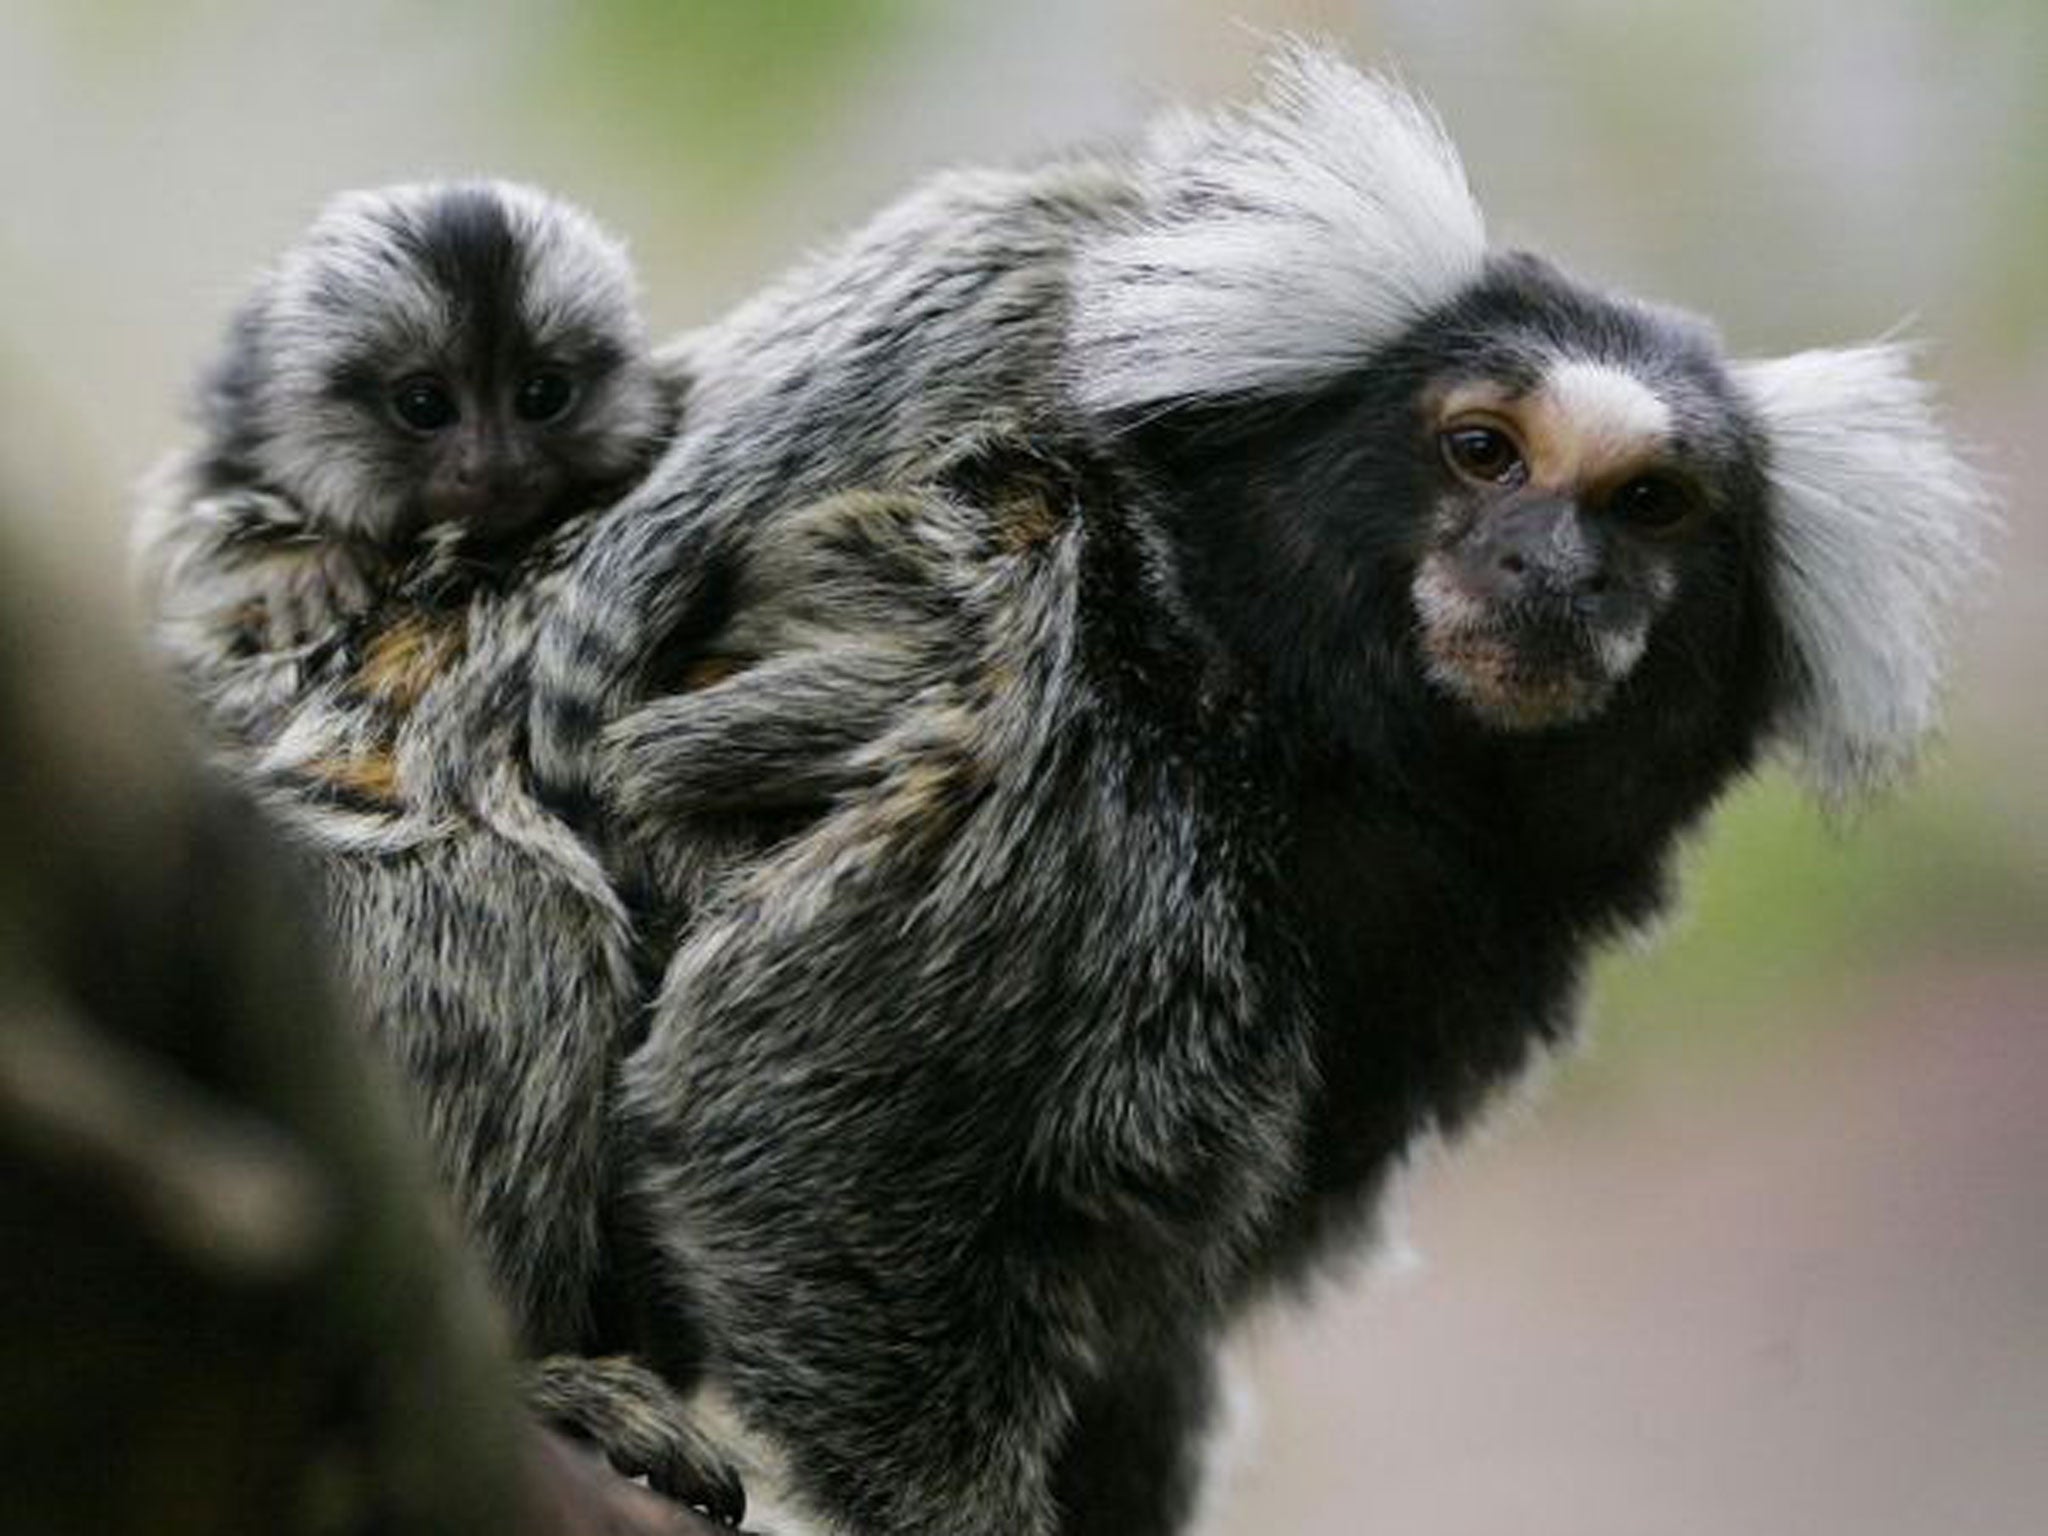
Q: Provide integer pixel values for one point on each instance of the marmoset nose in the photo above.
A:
(472, 460)
(1540, 546)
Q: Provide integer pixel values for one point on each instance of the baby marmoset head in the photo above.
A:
(461, 355)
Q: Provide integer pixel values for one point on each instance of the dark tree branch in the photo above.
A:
(227, 1301)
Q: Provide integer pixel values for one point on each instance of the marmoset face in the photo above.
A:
(462, 355)
(1583, 477)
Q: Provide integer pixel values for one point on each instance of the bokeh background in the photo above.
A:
(1770, 1252)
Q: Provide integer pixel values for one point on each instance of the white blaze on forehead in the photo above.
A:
(1582, 424)
(1608, 411)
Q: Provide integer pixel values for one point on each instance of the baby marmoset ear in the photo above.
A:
(1876, 525)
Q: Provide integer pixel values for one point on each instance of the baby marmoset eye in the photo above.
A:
(424, 404)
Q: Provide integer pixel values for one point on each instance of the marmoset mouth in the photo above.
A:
(1521, 676)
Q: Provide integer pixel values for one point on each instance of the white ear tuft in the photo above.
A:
(1877, 525)
(1274, 246)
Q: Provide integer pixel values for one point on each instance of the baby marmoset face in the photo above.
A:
(463, 355)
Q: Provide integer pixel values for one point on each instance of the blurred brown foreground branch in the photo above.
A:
(226, 1302)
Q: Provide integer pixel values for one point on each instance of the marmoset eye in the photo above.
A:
(544, 396)
(1653, 503)
(424, 405)
(1485, 454)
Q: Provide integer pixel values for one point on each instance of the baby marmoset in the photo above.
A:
(433, 371)
(409, 414)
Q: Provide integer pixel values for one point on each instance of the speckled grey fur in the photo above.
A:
(1140, 897)
(366, 676)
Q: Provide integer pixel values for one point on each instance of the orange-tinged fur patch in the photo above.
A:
(402, 662)
(710, 671)
(364, 776)
(1025, 520)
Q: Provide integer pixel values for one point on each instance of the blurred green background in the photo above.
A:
(1773, 1253)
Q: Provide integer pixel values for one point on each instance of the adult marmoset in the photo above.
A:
(1306, 646)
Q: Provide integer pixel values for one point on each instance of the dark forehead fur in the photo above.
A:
(463, 241)
(1524, 316)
